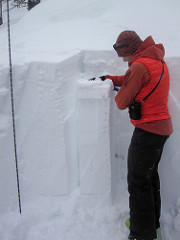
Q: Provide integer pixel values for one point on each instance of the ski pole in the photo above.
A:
(12, 106)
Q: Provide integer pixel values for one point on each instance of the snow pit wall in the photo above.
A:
(70, 133)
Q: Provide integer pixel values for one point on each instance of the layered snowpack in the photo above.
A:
(72, 144)
(72, 140)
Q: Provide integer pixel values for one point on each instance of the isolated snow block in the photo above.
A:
(94, 136)
(45, 100)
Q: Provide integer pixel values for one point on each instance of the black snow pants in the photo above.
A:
(144, 154)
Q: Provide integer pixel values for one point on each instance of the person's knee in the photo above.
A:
(139, 182)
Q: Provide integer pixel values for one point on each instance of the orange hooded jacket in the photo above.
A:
(143, 74)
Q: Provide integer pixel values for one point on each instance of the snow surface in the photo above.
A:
(72, 140)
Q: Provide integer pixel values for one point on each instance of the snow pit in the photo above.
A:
(72, 147)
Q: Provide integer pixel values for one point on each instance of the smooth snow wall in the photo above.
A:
(70, 133)
(170, 163)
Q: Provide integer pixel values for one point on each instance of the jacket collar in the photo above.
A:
(148, 49)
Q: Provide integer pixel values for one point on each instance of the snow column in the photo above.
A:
(47, 127)
(94, 137)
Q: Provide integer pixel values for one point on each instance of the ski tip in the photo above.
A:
(127, 223)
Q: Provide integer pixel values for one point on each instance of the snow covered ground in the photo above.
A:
(72, 140)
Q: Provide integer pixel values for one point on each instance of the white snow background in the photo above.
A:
(72, 141)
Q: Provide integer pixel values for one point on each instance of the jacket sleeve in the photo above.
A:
(117, 80)
(138, 76)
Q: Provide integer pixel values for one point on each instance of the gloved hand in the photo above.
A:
(103, 78)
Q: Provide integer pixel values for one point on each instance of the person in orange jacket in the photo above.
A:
(147, 75)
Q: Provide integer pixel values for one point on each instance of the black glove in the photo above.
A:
(92, 79)
(103, 78)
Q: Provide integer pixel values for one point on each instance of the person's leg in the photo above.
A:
(156, 183)
(143, 157)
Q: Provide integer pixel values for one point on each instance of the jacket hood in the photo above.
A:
(148, 49)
